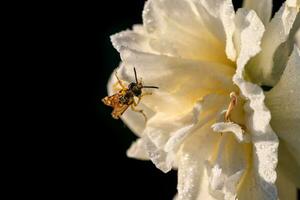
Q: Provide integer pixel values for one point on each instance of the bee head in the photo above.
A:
(136, 88)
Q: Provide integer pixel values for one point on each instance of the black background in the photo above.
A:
(82, 152)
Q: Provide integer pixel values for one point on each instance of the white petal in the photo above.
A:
(164, 133)
(177, 29)
(248, 34)
(227, 166)
(223, 127)
(268, 66)
(287, 164)
(175, 197)
(218, 17)
(283, 52)
(286, 188)
(231, 185)
(135, 121)
(137, 150)
(157, 136)
(158, 15)
(283, 101)
(110, 83)
(178, 79)
(297, 38)
(250, 31)
(263, 8)
(137, 40)
(161, 159)
(192, 175)
(251, 187)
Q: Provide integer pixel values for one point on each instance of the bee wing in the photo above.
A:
(111, 100)
(119, 110)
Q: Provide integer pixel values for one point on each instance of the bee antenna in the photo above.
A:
(136, 80)
(150, 87)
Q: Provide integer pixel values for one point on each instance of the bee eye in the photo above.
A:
(131, 86)
(137, 91)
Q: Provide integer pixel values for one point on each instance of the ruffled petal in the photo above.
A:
(265, 142)
(192, 175)
(178, 28)
(157, 135)
(284, 102)
(277, 44)
(263, 9)
(226, 167)
(137, 150)
(225, 127)
(136, 39)
(218, 17)
(248, 35)
(164, 134)
(160, 15)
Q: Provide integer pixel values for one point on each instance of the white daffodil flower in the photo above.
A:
(210, 118)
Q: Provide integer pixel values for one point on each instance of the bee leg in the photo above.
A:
(144, 94)
(139, 100)
(116, 87)
(119, 81)
(140, 111)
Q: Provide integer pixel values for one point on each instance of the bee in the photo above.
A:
(124, 98)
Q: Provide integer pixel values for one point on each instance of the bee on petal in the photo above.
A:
(124, 98)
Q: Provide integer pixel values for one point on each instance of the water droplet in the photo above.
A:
(149, 21)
